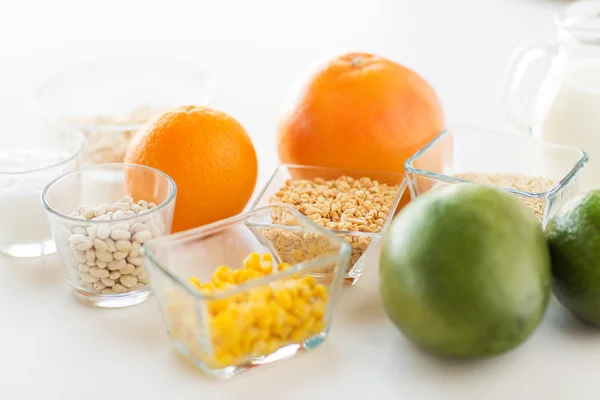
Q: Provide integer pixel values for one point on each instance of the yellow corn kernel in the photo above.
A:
(196, 282)
(218, 306)
(291, 320)
(225, 358)
(284, 299)
(282, 331)
(301, 310)
(259, 296)
(299, 335)
(264, 334)
(264, 321)
(273, 345)
(223, 274)
(267, 257)
(267, 267)
(245, 317)
(319, 327)
(254, 274)
(252, 262)
(283, 266)
(309, 324)
(304, 291)
(260, 348)
(318, 309)
(260, 309)
(240, 276)
(320, 292)
(279, 315)
(291, 286)
(310, 281)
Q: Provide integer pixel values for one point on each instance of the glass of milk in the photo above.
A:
(566, 108)
(27, 164)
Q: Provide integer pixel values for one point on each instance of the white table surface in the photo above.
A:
(51, 347)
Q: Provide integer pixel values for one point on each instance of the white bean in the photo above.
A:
(138, 227)
(121, 226)
(103, 232)
(91, 263)
(89, 213)
(114, 275)
(135, 260)
(101, 210)
(123, 245)
(89, 278)
(119, 214)
(143, 204)
(138, 270)
(128, 280)
(128, 269)
(74, 214)
(99, 272)
(83, 267)
(126, 200)
(100, 245)
(142, 237)
(91, 232)
(90, 255)
(111, 245)
(104, 256)
(108, 281)
(99, 285)
(76, 238)
(138, 285)
(101, 264)
(116, 264)
(85, 244)
(108, 291)
(154, 229)
(130, 213)
(120, 255)
(151, 206)
(143, 277)
(79, 230)
(120, 235)
(118, 288)
(136, 208)
(135, 249)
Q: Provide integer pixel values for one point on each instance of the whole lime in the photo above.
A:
(573, 237)
(465, 271)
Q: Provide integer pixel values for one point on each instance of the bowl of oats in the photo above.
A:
(111, 99)
(356, 205)
(543, 175)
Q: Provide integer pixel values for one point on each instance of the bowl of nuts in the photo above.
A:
(110, 100)
(100, 218)
(357, 206)
(229, 300)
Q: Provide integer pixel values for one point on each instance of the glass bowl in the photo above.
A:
(361, 241)
(468, 154)
(100, 217)
(110, 100)
(249, 323)
(27, 164)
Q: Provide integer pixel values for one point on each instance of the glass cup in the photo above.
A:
(100, 216)
(361, 242)
(110, 100)
(198, 321)
(27, 164)
(480, 152)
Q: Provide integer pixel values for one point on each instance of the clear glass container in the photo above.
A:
(27, 164)
(362, 242)
(270, 330)
(110, 100)
(469, 150)
(99, 232)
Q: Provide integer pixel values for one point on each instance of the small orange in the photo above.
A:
(208, 154)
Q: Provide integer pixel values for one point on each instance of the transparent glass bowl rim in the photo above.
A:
(564, 20)
(169, 199)
(174, 65)
(80, 140)
(401, 188)
(410, 169)
(210, 229)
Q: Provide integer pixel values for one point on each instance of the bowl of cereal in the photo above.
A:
(357, 206)
(229, 300)
(110, 100)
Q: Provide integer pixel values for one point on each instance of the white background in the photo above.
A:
(53, 348)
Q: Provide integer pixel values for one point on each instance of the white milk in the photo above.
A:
(568, 112)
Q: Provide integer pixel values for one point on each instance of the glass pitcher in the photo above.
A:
(566, 109)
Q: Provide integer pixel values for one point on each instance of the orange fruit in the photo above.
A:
(358, 111)
(209, 156)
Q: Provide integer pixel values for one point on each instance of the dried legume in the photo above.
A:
(107, 257)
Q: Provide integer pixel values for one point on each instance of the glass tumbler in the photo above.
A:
(252, 320)
(101, 216)
(27, 164)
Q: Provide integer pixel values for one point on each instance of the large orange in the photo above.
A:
(209, 156)
(358, 111)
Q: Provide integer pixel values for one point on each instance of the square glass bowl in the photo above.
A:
(477, 152)
(247, 322)
(361, 241)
